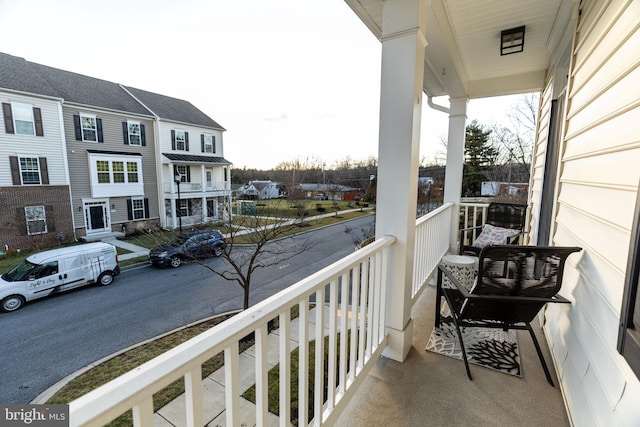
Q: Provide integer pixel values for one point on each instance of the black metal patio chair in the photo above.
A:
(513, 283)
(508, 217)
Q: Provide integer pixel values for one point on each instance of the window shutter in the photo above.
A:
(188, 173)
(189, 207)
(99, 126)
(173, 139)
(143, 138)
(175, 172)
(146, 208)
(37, 118)
(76, 125)
(49, 218)
(186, 141)
(213, 141)
(15, 170)
(20, 214)
(8, 118)
(44, 171)
(129, 209)
(125, 134)
(202, 142)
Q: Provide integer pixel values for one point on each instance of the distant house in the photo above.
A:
(263, 190)
(497, 188)
(327, 191)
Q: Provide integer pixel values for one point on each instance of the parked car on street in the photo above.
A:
(188, 246)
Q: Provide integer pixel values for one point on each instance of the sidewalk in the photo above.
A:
(136, 251)
(173, 414)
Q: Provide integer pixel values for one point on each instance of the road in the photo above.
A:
(53, 337)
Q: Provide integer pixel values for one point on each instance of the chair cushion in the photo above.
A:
(492, 235)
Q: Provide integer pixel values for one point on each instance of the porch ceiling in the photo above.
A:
(463, 59)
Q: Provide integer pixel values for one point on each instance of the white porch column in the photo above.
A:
(174, 197)
(455, 163)
(403, 45)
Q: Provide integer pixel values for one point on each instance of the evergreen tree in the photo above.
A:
(480, 155)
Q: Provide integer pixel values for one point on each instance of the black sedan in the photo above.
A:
(188, 246)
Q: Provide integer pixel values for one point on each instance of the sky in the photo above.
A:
(287, 79)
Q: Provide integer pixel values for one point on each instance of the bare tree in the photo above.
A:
(270, 241)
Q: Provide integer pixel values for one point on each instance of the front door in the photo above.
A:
(209, 177)
(96, 217)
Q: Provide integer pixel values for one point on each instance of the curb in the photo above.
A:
(49, 392)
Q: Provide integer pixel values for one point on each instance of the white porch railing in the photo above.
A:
(195, 187)
(473, 214)
(432, 242)
(355, 288)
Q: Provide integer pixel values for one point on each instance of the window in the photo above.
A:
(23, 119)
(135, 134)
(208, 143)
(113, 172)
(183, 207)
(132, 172)
(103, 172)
(184, 172)
(36, 220)
(629, 332)
(179, 140)
(46, 269)
(89, 128)
(118, 172)
(29, 170)
(137, 206)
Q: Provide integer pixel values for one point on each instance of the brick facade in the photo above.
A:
(13, 227)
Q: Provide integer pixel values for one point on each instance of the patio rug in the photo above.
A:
(491, 348)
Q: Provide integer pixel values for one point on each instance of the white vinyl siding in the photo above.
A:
(538, 161)
(49, 146)
(597, 188)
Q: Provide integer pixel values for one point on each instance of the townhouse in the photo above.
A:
(110, 154)
(114, 152)
(35, 201)
(194, 179)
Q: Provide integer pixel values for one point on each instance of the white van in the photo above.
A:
(58, 270)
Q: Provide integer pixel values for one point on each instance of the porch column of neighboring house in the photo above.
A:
(174, 196)
(203, 201)
(455, 163)
(403, 44)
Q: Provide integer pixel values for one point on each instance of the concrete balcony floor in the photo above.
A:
(429, 389)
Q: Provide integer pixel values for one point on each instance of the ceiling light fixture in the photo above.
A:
(512, 41)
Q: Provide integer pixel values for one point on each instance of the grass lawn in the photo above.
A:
(7, 262)
(135, 357)
(131, 359)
